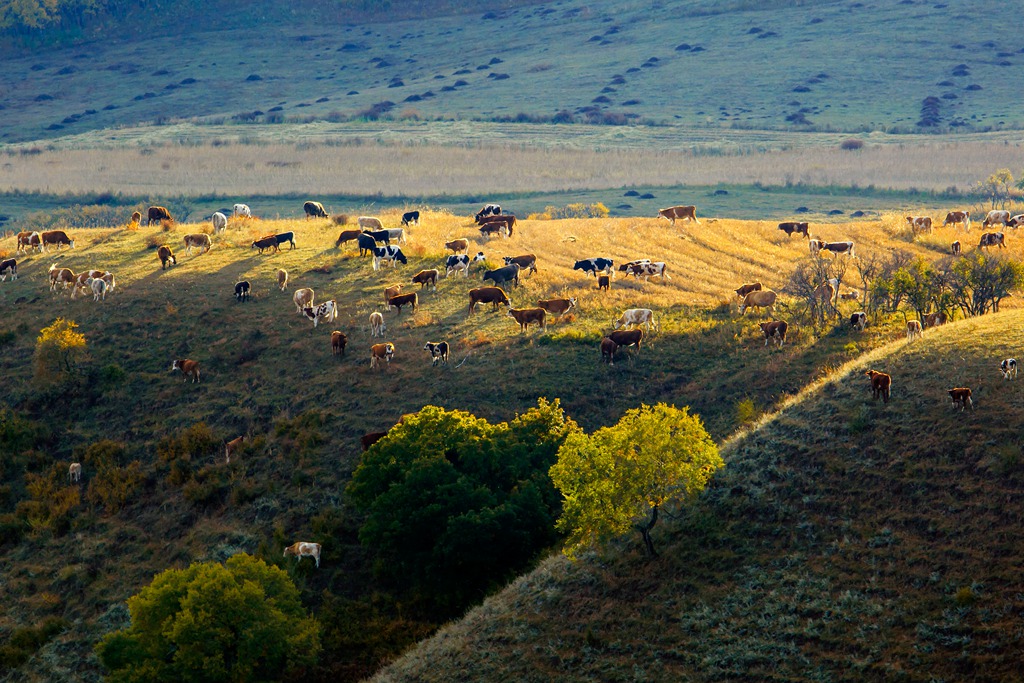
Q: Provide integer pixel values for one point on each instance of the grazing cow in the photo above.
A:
(347, 236)
(958, 217)
(410, 217)
(397, 302)
(509, 221)
(992, 239)
(189, 368)
(391, 291)
(29, 240)
(241, 210)
(426, 277)
(825, 292)
(377, 327)
(231, 446)
(389, 254)
(303, 298)
(743, 290)
(488, 210)
(591, 266)
(8, 265)
(775, 329)
(136, 217)
(815, 246)
(381, 352)
(460, 263)
(500, 276)
(920, 223)
(881, 384)
(198, 240)
(913, 329)
(839, 248)
(438, 352)
(268, 242)
(338, 342)
(282, 279)
(859, 320)
(459, 245)
(558, 307)
(166, 256)
(646, 270)
(327, 311)
(58, 238)
(371, 438)
(492, 229)
(242, 290)
(1009, 368)
(525, 316)
(680, 212)
(956, 248)
(75, 472)
(314, 210)
(283, 237)
(304, 549)
(637, 317)
(626, 266)
(526, 261)
(379, 235)
(396, 235)
(82, 281)
(488, 295)
(367, 245)
(627, 337)
(935, 319)
(220, 222)
(1016, 221)
(157, 213)
(789, 227)
(961, 396)
(369, 223)
(760, 299)
(849, 296)
(996, 216)
(99, 288)
(608, 348)
(60, 276)
(603, 282)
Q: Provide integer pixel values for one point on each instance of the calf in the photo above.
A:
(314, 210)
(283, 237)
(348, 236)
(157, 213)
(231, 446)
(789, 227)
(425, 278)
(961, 396)
(525, 316)
(913, 329)
(377, 327)
(775, 329)
(558, 307)
(1009, 368)
(303, 298)
(189, 368)
(403, 299)
(327, 311)
(526, 261)
(956, 248)
(591, 266)
(166, 256)
(268, 242)
(304, 549)
(282, 279)
(920, 223)
(488, 295)
(682, 212)
(438, 352)
(220, 222)
(881, 383)
(743, 290)
(338, 342)
(958, 217)
(603, 282)
(637, 317)
(242, 290)
(992, 239)
(504, 274)
(8, 265)
(858, 320)
(996, 216)
(410, 217)
(456, 246)
(381, 352)
(608, 348)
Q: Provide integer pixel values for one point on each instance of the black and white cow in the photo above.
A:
(438, 352)
(591, 266)
(8, 265)
(646, 270)
(411, 217)
(242, 290)
(1009, 368)
(859, 320)
(367, 245)
(488, 210)
(992, 239)
(327, 311)
(388, 254)
(460, 262)
(500, 276)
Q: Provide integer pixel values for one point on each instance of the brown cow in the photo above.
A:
(166, 256)
(603, 282)
(157, 213)
(789, 227)
(955, 217)
(11, 265)
(492, 229)
(775, 329)
(743, 290)
(200, 241)
(488, 295)
(608, 349)
(282, 279)
(338, 342)
(29, 240)
(880, 385)
(762, 299)
(935, 319)
(525, 316)
(266, 242)
(136, 217)
(381, 352)
(458, 246)
(627, 337)
(956, 248)
(426, 277)
(558, 307)
(189, 368)
(961, 396)
(680, 212)
(371, 438)
(347, 236)
(59, 238)
(231, 446)
(60, 276)
(392, 291)
(526, 261)
(403, 299)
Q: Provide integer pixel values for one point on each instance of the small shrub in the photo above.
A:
(154, 241)
(851, 144)
(746, 411)
(167, 225)
(60, 349)
(340, 218)
(965, 597)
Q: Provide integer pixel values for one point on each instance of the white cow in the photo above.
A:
(99, 288)
(303, 298)
(370, 223)
(75, 471)
(377, 327)
(220, 222)
(327, 312)
(637, 317)
(242, 210)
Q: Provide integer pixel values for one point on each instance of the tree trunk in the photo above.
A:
(645, 531)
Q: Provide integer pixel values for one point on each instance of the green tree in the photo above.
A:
(617, 478)
(240, 621)
(60, 349)
(978, 282)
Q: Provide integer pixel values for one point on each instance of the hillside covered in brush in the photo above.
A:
(845, 540)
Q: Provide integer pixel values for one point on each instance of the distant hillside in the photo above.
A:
(826, 65)
(846, 540)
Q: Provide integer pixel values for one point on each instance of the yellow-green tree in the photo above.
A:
(59, 350)
(617, 478)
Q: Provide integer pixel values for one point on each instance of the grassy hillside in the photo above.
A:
(267, 373)
(769, 66)
(846, 540)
